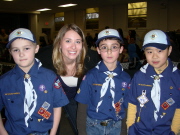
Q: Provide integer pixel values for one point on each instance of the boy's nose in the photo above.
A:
(155, 55)
(21, 53)
(109, 50)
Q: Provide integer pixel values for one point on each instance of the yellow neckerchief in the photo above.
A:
(159, 71)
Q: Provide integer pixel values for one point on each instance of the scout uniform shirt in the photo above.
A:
(154, 115)
(47, 92)
(104, 92)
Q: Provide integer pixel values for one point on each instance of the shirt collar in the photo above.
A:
(103, 68)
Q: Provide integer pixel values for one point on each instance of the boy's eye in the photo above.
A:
(27, 48)
(115, 47)
(15, 50)
(103, 47)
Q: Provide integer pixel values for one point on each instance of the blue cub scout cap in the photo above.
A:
(156, 38)
(108, 33)
(21, 33)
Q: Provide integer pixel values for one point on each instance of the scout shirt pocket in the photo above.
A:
(14, 104)
(96, 93)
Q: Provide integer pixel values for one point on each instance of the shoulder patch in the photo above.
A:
(57, 83)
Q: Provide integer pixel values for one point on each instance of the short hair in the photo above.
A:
(57, 56)
(112, 38)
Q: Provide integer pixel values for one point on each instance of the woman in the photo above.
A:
(69, 52)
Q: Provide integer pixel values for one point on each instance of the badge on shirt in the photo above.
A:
(57, 84)
(143, 99)
(42, 87)
(45, 105)
(44, 113)
(167, 103)
(117, 107)
(43, 110)
(124, 84)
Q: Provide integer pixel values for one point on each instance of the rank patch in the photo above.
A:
(45, 114)
(170, 101)
(142, 99)
(165, 105)
(45, 105)
(117, 107)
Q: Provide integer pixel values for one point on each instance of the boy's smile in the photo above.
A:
(157, 57)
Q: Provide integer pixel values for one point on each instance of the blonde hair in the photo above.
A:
(57, 56)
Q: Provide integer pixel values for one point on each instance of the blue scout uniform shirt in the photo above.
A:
(104, 104)
(12, 93)
(169, 100)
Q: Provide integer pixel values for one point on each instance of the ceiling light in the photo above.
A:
(67, 5)
(44, 9)
(8, 0)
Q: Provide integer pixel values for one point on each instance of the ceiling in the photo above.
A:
(30, 6)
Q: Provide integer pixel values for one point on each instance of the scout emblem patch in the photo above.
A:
(124, 84)
(143, 99)
(118, 108)
(57, 84)
(167, 103)
(43, 110)
(153, 36)
(42, 87)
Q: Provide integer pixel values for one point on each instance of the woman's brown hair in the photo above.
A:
(57, 57)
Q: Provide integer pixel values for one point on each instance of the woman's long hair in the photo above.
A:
(57, 56)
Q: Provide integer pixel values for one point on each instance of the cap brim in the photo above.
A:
(157, 45)
(10, 42)
(97, 42)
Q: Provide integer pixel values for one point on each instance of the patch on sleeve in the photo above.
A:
(129, 86)
(57, 84)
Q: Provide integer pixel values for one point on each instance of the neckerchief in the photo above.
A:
(30, 99)
(108, 81)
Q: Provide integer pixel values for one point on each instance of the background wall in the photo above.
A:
(161, 14)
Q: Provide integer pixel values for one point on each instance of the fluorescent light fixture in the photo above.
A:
(8, 0)
(67, 5)
(44, 9)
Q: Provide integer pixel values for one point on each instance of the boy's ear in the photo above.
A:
(121, 49)
(97, 48)
(37, 49)
(169, 50)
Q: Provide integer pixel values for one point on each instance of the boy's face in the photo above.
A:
(23, 52)
(157, 57)
(109, 51)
